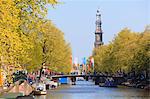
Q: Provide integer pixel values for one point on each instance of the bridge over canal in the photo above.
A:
(96, 78)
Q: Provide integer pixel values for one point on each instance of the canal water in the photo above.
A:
(87, 90)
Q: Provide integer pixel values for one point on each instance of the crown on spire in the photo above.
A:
(98, 12)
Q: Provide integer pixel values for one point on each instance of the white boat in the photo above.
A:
(52, 84)
(40, 89)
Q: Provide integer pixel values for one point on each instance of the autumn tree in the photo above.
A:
(128, 50)
(28, 39)
(56, 51)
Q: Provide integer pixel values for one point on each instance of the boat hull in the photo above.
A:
(107, 85)
(40, 92)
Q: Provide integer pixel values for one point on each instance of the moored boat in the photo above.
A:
(40, 89)
(108, 83)
(39, 92)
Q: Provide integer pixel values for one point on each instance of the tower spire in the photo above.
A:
(98, 31)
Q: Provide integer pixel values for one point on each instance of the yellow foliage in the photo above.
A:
(128, 50)
(28, 40)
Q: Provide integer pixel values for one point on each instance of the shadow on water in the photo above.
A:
(87, 90)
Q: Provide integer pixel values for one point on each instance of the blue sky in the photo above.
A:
(76, 18)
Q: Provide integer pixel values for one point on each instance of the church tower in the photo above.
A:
(98, 31)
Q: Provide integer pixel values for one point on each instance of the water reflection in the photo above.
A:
(87, 90)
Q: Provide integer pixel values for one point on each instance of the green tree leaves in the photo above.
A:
(128, 50)
(28, 39)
